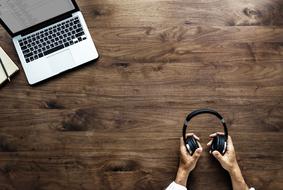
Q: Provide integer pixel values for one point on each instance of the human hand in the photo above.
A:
(187, 162)
(228, 161)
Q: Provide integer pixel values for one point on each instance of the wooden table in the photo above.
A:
(116, 123)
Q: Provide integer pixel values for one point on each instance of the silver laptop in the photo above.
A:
(50, 36)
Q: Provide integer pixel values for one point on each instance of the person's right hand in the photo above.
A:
(187, 162)
(228, 161)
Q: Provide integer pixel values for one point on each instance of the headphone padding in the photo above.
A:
(222, 141)
(218, 143)
(192, 143)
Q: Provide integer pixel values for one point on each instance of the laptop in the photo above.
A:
(50, 36)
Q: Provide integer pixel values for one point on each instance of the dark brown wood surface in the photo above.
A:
(116, 123)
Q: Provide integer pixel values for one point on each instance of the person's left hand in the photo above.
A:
(187, 162)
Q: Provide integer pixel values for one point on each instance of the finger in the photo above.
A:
(215, 134)
(183, 149)
(230, 146)
(196, 137)
(209, 143)
(212, 135)
(192, 134)
(181, 141)
(199, 145)
(217, 155)
(230, 139)
(197, 153)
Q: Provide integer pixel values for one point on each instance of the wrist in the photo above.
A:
(236, 176)
(234, 170)
(182, 176)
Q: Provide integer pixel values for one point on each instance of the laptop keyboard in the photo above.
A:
(52, 39)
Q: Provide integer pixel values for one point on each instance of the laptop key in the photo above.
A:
(26, 51)
(53, 50)
(79, 30)
(80, 34)
(28, 55)
(24, 47)
(66, 44)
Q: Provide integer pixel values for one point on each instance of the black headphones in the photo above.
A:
(219, 142)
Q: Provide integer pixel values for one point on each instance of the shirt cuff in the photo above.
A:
(175, 186)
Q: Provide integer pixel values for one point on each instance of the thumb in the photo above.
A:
(197, 153)
(217, 155)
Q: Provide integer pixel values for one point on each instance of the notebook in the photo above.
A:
(9, 65)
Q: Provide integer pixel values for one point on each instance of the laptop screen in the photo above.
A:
(21, 14)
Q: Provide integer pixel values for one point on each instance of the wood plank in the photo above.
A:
(116, 123)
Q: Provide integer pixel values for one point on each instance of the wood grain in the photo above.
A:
(116, 123)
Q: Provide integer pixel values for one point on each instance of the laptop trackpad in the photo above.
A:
(61, 61)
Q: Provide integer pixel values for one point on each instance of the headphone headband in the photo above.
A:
(203, 111)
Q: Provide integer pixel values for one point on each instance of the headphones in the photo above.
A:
(219, 142)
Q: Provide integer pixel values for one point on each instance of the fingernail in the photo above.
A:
(199, 150)
(215, 153)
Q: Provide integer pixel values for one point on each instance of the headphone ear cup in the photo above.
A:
(213, 146)
(222, 144)
(191, 145)
(219, 143)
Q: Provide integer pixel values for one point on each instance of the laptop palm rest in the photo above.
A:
(61, 61)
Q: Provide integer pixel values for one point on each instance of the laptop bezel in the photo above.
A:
(42, 24)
